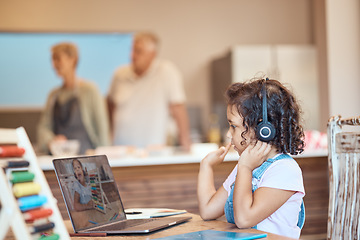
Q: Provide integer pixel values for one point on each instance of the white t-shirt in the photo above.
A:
(84, 192)
(283, 174)
(142, 113)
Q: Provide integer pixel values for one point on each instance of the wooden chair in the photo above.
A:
(344, 178)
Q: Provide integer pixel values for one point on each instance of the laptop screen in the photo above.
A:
(89, 191)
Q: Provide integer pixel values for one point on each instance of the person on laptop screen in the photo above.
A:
(108, 214)
(89, 191)
(82, 188)
(265, 190)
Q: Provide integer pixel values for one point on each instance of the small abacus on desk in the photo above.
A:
(27, 205)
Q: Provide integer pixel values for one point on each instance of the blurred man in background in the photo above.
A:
(143, 95)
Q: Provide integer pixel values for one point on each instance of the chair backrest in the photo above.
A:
(344, 179)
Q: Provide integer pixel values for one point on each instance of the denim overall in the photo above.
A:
(257, 173)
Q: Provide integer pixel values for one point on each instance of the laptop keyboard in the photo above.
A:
(125, 224)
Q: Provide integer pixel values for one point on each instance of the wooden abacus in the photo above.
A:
(98, 196)
(27, 205)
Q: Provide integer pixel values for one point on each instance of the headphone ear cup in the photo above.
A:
(265, 131)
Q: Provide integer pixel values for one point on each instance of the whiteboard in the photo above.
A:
(26, 71)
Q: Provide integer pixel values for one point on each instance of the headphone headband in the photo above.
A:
(264, 103)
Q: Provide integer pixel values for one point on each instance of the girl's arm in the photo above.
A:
(211, 202)
(251, 208)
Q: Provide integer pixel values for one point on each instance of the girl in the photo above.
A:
(82, 194)
(265, 189)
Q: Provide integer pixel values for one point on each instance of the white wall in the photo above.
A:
(343, 49)
(293, 65)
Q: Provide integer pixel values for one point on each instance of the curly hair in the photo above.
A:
(282, 108)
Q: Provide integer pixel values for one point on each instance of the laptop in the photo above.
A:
(93, 201)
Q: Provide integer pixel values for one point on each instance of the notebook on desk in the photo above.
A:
(93, 201)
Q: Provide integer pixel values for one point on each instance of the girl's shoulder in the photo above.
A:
(283, 174)
(288, 159)
(285, 164)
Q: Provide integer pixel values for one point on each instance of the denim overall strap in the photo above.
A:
(257, 173)
(301, 219)
(229, 209)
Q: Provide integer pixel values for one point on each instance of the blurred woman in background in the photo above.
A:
(76, 109)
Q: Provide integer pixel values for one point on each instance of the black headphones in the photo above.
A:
(265, 131)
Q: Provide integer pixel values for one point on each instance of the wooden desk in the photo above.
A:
(195, 224)
(174, 186)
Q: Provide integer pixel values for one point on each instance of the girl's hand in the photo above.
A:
(254, 155)
(217, 157)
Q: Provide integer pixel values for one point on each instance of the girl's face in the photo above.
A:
(236, 128)
(63, 63)
(78, 171)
